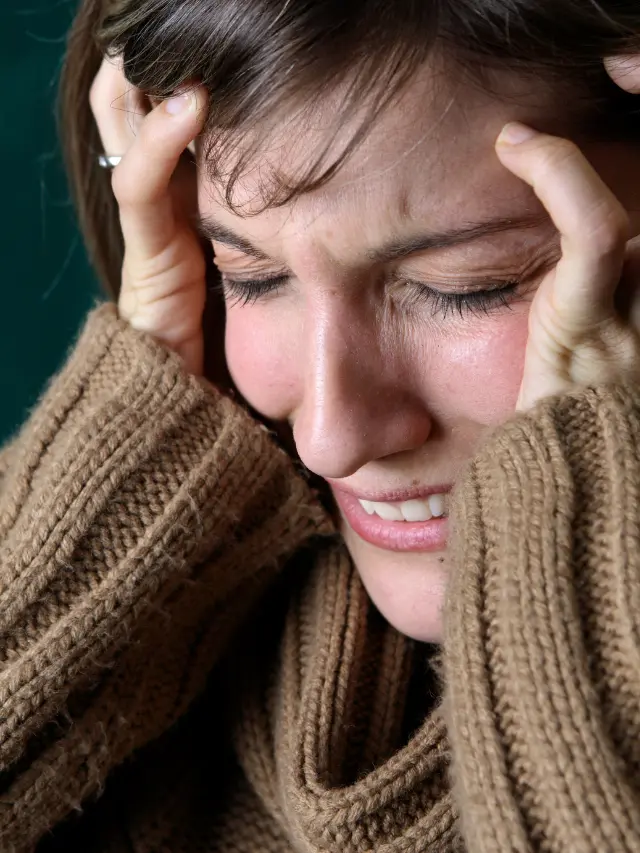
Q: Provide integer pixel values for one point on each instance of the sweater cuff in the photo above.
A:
(140, 509)
(542, 626)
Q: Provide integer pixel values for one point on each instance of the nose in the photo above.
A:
(357, 405)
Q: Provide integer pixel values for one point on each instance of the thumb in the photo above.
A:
(624, 71)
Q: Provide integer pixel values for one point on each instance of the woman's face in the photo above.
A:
(392, 336)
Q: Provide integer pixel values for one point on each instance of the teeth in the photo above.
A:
(389, 512)
(435, 506)
(416, 510)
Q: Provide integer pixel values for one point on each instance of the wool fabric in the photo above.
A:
(189, 662)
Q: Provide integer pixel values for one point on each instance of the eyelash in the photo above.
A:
(249, 290)
(498, 295)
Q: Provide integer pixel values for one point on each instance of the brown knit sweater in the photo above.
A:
(189, 663)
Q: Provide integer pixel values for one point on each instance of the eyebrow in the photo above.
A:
(395, 249)
(455, 236)
(211, 230)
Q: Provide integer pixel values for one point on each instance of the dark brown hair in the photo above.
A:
(263, 61)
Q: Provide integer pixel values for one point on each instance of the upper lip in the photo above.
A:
(393, 495)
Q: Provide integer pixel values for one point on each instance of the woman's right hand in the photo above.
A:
(163, 276)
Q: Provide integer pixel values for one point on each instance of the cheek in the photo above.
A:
(261, 355)
(473, 374)
(482, 369)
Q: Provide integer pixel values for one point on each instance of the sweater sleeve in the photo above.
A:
(141, 515)
(542, 650)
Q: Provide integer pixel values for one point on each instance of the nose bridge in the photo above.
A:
(343, 351)
(353, 410)
(343, 360)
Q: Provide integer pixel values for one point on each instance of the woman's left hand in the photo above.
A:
(577, 335)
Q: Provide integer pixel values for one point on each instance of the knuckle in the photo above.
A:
(170, 270)
(123, 189)
(133, 190)
(555, 153)
(608, 230)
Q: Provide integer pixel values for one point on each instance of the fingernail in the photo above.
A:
(514, 133)
(179, 103)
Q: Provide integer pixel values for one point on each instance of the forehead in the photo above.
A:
(429, 155)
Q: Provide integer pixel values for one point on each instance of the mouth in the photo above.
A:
(410, 521)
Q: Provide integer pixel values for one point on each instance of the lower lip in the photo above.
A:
(392, 535)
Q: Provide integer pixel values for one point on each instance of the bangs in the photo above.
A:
(340, 115)
(267, 64)
(267, 72)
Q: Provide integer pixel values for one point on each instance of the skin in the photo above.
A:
(380, 387)
(383, 392)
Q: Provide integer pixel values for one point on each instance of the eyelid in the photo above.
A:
(534, 269)
(241, 269)
(530, 264)
(265, 280)
(468, 285)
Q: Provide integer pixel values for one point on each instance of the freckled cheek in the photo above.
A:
(263, 360)
(484, 369)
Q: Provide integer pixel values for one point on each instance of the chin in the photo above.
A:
(407, 588)
(423, 625)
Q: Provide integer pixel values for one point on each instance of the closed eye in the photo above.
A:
(492, 295)
(465, 302)
(247, 291)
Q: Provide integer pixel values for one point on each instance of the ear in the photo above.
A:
(624, 71)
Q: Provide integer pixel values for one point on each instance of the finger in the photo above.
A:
(118, 107)
(593, 225)
(624, 71)
(141, 183)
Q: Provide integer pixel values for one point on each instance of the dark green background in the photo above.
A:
(47, 283)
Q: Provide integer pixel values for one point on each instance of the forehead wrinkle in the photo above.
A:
(405, 176)
(370, 201)
(356, 176)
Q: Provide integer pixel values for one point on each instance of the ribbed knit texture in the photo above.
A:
(189, 662)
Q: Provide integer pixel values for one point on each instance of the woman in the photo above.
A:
(422, 224)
